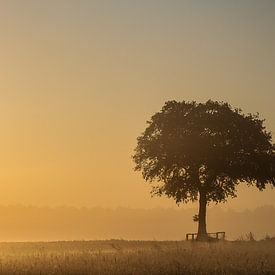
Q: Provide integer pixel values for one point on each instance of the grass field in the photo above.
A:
(137, 257)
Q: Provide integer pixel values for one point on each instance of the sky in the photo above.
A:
(79, 80)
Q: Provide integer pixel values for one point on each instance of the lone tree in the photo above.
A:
(202, 151)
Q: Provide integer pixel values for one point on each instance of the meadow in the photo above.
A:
(137, 257)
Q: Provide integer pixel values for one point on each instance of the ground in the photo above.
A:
(137, 257)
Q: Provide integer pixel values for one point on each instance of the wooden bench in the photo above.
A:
(215, 236)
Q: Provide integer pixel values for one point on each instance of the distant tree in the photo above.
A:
(202, 151)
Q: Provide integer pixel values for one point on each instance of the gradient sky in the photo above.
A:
(79, 79)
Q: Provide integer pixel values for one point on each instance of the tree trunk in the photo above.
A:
(202, 233)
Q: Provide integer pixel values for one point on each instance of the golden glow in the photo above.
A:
(79, 79)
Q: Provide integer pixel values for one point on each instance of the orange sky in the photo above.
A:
(79, 79)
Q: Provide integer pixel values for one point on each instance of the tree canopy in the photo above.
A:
(190, 149)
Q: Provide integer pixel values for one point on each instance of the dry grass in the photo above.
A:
(123, 257)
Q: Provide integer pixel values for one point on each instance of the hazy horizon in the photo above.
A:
(19, 223)
(79, 80)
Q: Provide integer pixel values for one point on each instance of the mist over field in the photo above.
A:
(20, 223)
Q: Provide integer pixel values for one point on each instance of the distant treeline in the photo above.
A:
(20, 223)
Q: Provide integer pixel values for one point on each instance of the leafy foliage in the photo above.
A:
(210, 147)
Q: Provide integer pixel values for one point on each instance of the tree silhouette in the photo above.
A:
(201, 151)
